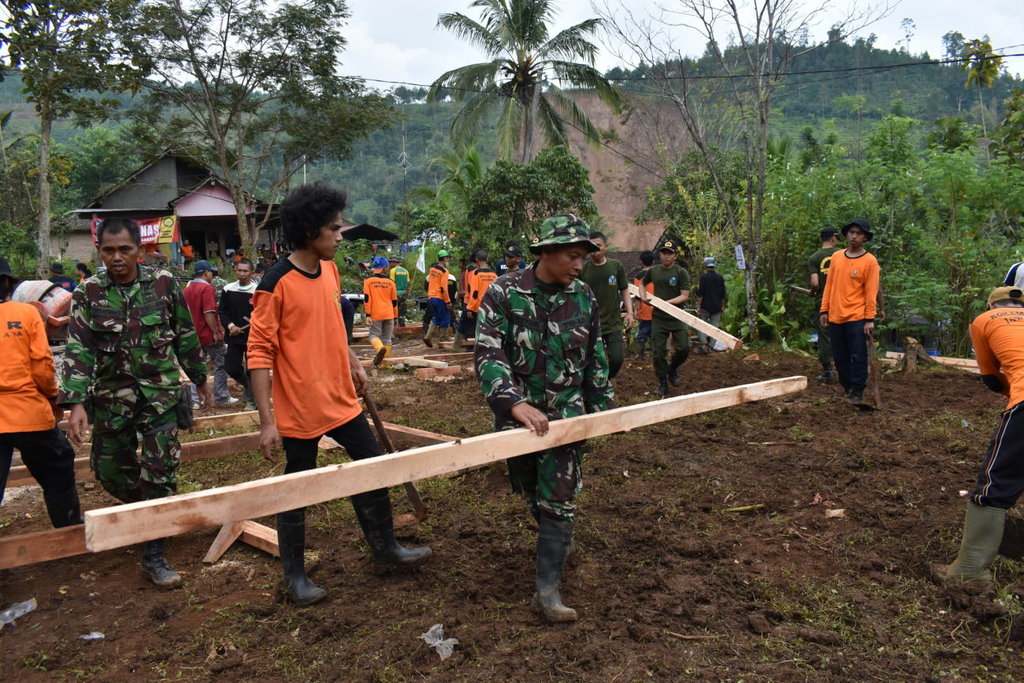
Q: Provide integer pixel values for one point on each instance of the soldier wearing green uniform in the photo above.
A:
(818, 264)
(607, 280)
(671, 283)
(129, 330)
(539, 357)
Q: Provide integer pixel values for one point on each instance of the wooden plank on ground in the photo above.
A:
(693, 321)
(968, 364)
(40, 546)
(114, 527)
(193, 450)
(411, 361)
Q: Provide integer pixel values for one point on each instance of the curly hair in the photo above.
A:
(307, 209)
(113, 226)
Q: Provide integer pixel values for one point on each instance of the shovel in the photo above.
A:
(409, 518)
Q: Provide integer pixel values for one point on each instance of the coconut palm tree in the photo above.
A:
(982, 64)
(525, 64)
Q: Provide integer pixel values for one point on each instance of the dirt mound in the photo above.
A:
(782, 540)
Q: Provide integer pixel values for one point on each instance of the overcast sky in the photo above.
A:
(396, 40)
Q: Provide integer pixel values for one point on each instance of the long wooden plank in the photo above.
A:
(421, 436)
(190, 451)
(114, 527)
(691, 320)
(248, 418)
(968, 364)
(40, 546)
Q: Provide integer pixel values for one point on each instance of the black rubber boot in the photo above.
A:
(155, 566)
(662, 388)
(373, 511)
(63, 508)
(553, 542)
(673, 370)
(641, 350)
(291, 540)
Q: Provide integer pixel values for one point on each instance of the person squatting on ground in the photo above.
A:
(381, 308)
(671, 283)
(440, 299)
(130, 330)
(998, 338)
(644, 311)
(297, 331)
(848, 306)
(479, 280)
(607, 280)
(235, 311)
(400, 276)
(201, 299)
(818, 265)
(29, 412)
(711, 299)
(539, 356)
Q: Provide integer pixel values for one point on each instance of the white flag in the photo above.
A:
(421, 262)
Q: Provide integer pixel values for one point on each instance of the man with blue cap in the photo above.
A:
(381, 308)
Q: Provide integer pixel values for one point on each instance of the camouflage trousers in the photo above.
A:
(549, 480)
(118, 425)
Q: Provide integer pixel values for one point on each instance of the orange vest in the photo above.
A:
(381, 297)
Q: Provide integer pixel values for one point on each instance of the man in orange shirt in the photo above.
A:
(998, 338)
(478, 280)
(297, 330)
(28, 407)
(644, 312)
(848, 308)
(440, 299)
(381, 307)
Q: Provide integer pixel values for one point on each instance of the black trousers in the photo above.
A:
(850, 353)
(47, 455)
(234, 364)
(1001, 479)
(355, 436)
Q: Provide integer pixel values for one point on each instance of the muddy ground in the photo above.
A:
(669, 583)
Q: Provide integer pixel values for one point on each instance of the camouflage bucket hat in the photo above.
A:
(563, 229)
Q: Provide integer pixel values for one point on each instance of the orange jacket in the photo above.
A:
(644, 311)
(381, 297)
(851, 291)
(998, 338)
(27, 379)
(482, 279)
(437, 283)
(297, 330)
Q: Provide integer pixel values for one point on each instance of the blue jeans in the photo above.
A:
(850, 353)
(643, 330)
(440, 310)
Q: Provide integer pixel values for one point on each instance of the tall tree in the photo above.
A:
(253, 90)
(64, 51)
(982, 64)
(525, 62)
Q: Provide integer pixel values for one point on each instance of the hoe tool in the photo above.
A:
(407, 519)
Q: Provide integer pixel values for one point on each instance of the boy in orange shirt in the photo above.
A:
(998, 338)
(297, 330)
(440, 299)
(381, 307)
(848, 308)
(28, 407)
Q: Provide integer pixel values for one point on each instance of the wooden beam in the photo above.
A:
(693, 321)
(417, 435)
(411, 361)
(252, 533)
(114, 527)
(192, 450)
(968, 364)
(40, 546)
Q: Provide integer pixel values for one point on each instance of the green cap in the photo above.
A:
(443, 254)
(563, 229)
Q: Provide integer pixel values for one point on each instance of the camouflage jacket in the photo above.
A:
(122, 337)
(542, 345)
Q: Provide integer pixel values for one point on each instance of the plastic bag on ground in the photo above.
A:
(435, 639)
(17, 610)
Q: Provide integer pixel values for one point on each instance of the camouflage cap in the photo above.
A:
(563, 229)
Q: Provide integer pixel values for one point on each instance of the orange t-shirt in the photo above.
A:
(381, 297)
(482, 279)
(297, 330)
(437, 283)
(851, 291)
(644, 311)
(27, 378)
(998, 338)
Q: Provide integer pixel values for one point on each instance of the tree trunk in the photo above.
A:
(43, 228)
(528, 126)
(242, 221)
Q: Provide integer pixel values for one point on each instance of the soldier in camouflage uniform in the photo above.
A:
(539, 357)
(129, 331)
